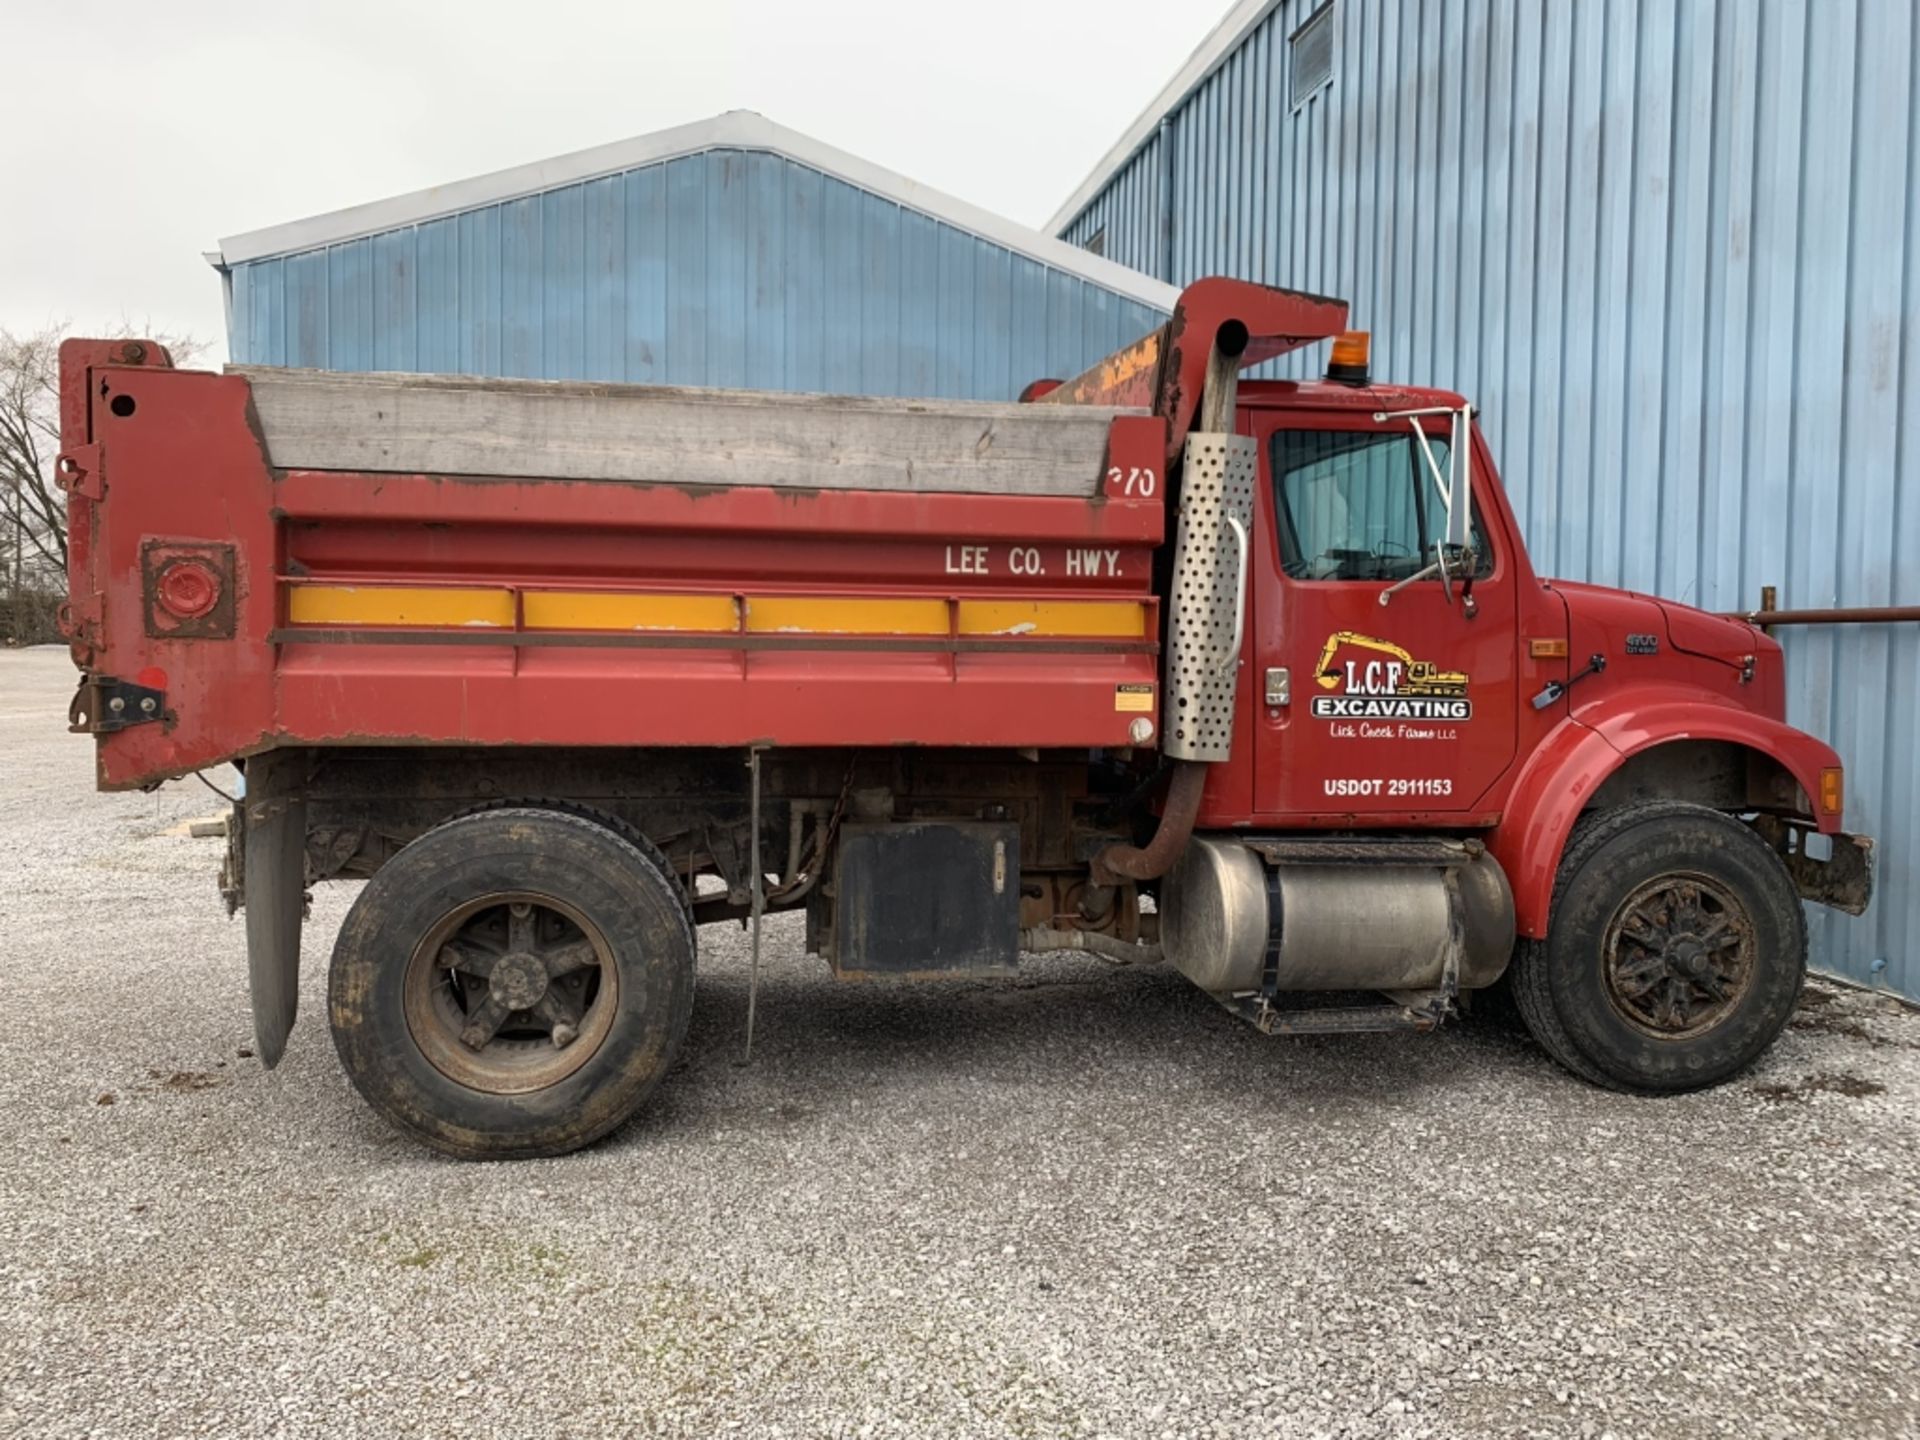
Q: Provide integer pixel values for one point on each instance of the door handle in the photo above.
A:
(1240, 602)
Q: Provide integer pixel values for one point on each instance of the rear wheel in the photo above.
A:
(513, 983)
(1675, 953)
(684, 889)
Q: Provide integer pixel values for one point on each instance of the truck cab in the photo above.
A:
(1366, 714)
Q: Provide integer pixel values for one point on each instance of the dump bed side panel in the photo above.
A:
(382, 606)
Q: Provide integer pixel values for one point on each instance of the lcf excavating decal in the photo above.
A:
(1388, 684)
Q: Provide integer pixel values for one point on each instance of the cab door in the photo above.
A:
(1369, 712)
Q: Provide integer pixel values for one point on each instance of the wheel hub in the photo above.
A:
(519, 980)
(1679, 955)
(511, 993)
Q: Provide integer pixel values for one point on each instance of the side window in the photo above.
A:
(1359, 505)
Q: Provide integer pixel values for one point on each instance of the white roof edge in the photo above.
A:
(1220, 42)
(736, 129)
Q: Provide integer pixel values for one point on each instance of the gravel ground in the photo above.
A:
(1087, 1203)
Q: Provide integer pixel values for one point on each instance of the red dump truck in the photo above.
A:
(1254, 678)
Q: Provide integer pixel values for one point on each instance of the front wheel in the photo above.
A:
(1675, 952)
(512, 984)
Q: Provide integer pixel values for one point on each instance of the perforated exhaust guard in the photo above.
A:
(1207, 596)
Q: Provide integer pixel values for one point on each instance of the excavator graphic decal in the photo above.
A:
(1385, 684)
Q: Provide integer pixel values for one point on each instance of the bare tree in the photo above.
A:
(33, 509)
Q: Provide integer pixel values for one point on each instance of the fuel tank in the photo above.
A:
(1247, 914)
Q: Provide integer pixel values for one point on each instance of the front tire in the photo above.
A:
(512, 984)
(1675, 953)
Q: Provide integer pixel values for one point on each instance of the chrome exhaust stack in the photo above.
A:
(1207, 600)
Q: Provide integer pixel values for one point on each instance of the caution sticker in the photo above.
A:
(1133, 697)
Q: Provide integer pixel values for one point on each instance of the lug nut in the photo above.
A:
(564, 1035)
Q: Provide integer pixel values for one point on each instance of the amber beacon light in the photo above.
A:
(1348, 363)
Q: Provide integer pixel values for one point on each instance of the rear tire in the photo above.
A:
(512, 984)
(683, 888)
(1675, 952)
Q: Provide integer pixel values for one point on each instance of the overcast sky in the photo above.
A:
(143, 133)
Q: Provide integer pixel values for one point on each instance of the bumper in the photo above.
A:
(1843, 880)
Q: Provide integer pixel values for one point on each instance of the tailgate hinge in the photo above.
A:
(79, 622)
(103, 705)
(78, 472)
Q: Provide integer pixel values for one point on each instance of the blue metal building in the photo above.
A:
(733, 252)
(1671, 248)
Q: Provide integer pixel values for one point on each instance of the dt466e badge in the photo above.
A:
(1397, 687)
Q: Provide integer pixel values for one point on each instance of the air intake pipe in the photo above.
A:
(1200, 685)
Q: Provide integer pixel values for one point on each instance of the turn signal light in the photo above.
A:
(1833, 790)
(1348, 363)
(1547, 649)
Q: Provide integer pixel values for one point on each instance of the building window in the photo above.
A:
(1097, 242)
(1310, 57)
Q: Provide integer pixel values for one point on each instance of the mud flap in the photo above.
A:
(276, 884)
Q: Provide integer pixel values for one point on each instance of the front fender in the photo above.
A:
(1552, 789)
(1579, 754)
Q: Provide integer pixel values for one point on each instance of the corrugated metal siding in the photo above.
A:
(1670, 246)
(731, 268)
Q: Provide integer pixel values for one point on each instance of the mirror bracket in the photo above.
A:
(1456, 491)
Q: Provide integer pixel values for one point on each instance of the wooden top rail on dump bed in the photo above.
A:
(463, 425)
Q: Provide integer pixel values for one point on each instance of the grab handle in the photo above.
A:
(1240, 607)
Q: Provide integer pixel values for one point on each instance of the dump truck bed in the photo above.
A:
(298, 557)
